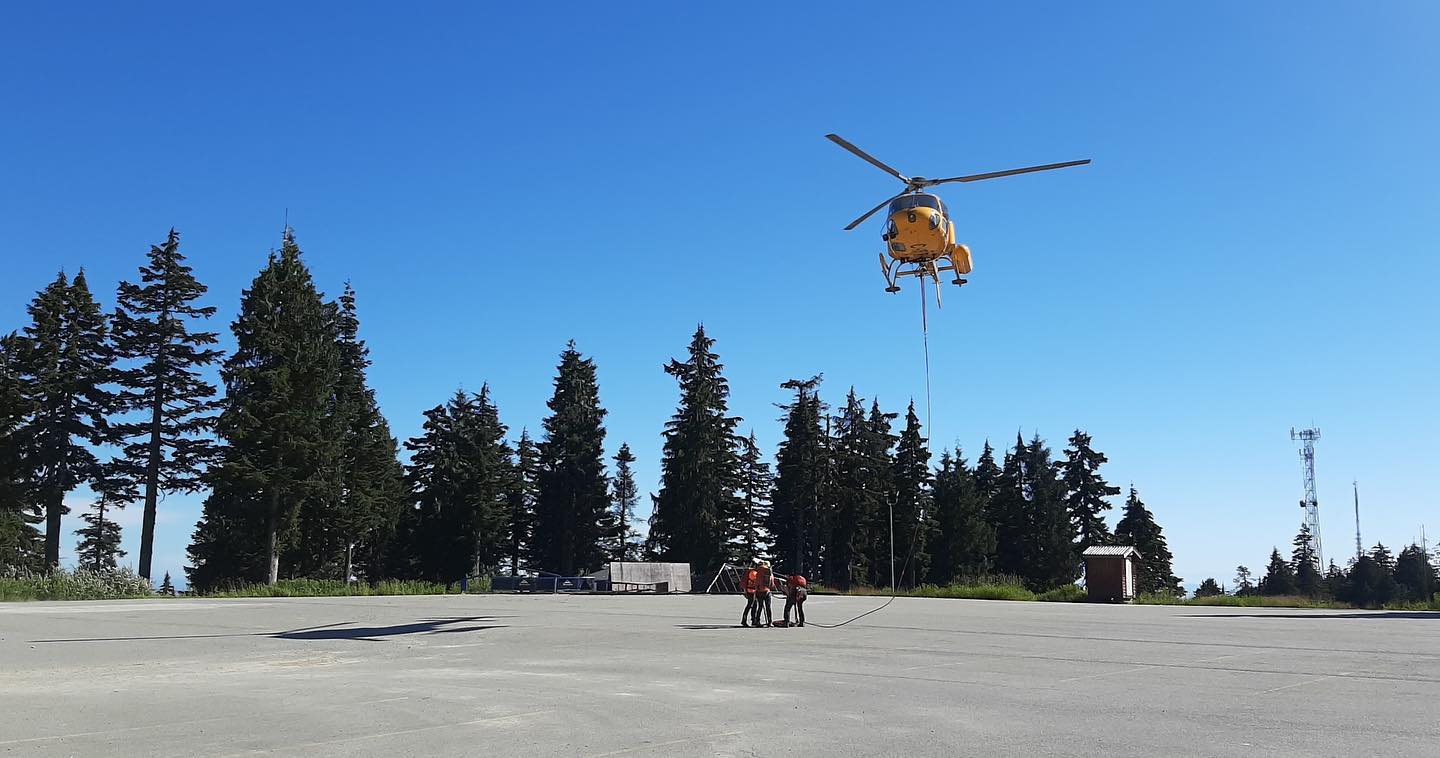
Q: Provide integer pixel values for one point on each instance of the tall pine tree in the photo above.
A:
(461, 477)
(964, 542)
(164, 445)
(626, 496)
(99, 543)
(749, 538)
(1086, 490)
(800, 465)
(67, 363)
(1279, 576)
(21, 544)
(280, 449)
(573, 519)
(1007, 510)
(913, 519)
(1306, 565)
(1052, 559)
(370, 489)
(699, 469)
(524, 493)
(878, 484)
(1137, 527)
(853, 496)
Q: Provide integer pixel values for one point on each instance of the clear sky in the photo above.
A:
(1254, 247)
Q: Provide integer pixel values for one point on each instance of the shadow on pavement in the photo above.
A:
(1354, 615)
(708, 626)
(323, 632)
(428, 626)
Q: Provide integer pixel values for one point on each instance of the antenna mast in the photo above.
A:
(1359, 547)
(1311, 505)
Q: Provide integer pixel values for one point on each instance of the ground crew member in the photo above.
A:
(795, 594)
(763, 584)
(748, 581)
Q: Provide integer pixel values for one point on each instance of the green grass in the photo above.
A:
(977, 588)
(80, 584)
(337, 588)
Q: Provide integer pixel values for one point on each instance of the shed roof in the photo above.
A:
(1115, 551)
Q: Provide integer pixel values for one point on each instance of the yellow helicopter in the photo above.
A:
(920, 232)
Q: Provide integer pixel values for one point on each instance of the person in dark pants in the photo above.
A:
(748, 581)
(795, 594)
(763, 584)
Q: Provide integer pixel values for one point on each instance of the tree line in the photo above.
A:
(303, 477)
(1369, 580)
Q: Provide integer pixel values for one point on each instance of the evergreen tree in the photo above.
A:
(370, 489)
(280, 448)
(800, 465)
(1007, 510)
(987, 474)
(626, 495)
(228, 547)
(1243, 584)
(1370, 583)
(1086, 491)
(1052, 559)
(573, 518)
(67, 362)
(855, 501)
(1137, 527)
(699, 469)
(166, 587)
(757, 486)
(913, 520)
(1305, 565)
(1415, 578)
(879, 486)
(1335, 580)
(99, 543)
(964, 540)
(524, 492)
(461, 478)
(21, 545)
(1279, 577)
(1208, 588)
(165, 448)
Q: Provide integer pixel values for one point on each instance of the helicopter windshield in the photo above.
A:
(910, 202)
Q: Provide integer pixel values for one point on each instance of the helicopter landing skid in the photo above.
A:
(893, 270)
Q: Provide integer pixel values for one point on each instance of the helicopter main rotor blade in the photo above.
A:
(871, 212)
(1011, 172)
(868, 158)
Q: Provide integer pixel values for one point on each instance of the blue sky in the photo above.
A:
(1252, 249)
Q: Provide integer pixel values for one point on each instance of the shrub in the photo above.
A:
(80, 584)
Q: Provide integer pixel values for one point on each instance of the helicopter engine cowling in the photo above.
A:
(960, 256)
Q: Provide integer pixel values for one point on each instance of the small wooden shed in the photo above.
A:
(1110, 573)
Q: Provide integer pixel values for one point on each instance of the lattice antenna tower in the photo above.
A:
(1306, 438)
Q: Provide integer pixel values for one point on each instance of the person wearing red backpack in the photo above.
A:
(795, 594)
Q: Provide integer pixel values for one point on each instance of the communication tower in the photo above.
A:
(1306, 438)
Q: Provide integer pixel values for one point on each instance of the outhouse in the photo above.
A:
(1110, 573)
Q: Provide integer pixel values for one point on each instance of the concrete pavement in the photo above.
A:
(671, 676)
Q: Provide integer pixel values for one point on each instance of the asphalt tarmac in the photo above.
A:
(547, 675)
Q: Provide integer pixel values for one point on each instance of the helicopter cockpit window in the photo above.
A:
(911, 202)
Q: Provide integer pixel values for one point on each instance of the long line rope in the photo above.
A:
(905, 567)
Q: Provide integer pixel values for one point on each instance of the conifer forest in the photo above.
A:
(303, 478)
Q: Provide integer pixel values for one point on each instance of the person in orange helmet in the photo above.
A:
(749, 579)
(763, 584)
(795, 594)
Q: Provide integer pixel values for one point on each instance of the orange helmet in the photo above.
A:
(797, 580)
